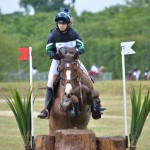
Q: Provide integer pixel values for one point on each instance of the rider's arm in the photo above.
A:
(51, 48)
(80, 45)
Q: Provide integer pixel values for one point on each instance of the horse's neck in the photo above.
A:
(61, 90)
(85, 79)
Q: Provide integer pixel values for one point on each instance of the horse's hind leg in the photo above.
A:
(96, 107)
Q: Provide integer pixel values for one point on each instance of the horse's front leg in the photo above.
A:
(96, 107)
(75, 103)
(73, 109)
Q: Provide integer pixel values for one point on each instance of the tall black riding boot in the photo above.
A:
(48, 104)
(97, 109)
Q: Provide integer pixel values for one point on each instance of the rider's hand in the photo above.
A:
(56, 56)
(53, 55)
(79, 51)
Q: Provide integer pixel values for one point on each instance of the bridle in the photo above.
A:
(68, 65)
(67, 79)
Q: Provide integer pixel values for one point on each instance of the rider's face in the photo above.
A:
(62, 26)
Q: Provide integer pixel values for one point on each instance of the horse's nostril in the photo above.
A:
(68, 95)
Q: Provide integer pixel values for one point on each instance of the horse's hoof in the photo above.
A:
(97, 113)
(102, 109)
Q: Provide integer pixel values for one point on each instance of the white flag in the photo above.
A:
(126, 48)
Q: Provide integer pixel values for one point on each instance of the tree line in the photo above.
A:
(101, 33)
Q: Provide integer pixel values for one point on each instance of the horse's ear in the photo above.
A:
(61, 53)
(76, 55)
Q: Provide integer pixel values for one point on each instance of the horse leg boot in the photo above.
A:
(48, 104)
(97, 109)
(76, 109)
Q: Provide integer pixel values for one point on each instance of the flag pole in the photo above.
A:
(124, 95)
(126, 50)
(31, 88)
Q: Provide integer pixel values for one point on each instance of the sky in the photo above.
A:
(95, 5)
(10, 6)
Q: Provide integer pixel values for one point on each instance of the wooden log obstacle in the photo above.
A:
(73, 139)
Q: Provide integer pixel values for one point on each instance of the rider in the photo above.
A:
(62, 36)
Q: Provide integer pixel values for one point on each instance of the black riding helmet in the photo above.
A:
(63, 17)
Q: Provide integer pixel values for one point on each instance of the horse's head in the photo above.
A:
(68, 53)
(68, 67)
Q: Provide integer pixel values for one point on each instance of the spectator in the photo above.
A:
(94, 68)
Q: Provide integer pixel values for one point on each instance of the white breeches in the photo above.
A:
(53, 71)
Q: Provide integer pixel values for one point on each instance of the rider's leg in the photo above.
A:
(49, 91)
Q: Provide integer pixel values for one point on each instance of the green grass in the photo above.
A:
(111, 124)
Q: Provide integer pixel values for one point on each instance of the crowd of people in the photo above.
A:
(135, 74)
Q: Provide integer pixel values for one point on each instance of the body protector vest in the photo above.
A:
(66, 36)
(69, 38)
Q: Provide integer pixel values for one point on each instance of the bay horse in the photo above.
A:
(75, 95)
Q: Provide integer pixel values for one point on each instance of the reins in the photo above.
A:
(77, 76)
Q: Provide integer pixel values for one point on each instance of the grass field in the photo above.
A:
(111, 124)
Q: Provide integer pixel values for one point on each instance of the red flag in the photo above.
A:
(24, 54)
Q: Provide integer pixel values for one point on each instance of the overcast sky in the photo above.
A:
(95, 5)
(9, 6)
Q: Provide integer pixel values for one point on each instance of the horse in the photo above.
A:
(75, 96)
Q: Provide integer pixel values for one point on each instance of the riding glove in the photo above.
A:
(80, 52)
(53, 55)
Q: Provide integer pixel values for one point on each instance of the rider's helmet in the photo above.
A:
(63, 17)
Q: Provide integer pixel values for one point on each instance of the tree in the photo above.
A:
(42, 5)
(138, 2)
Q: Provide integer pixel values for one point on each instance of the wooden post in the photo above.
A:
(44, 142)
(75, 140)
(111, 143)
(78, 140)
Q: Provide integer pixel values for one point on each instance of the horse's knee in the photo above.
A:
(95, 94)
(74, 99)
